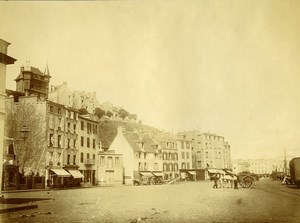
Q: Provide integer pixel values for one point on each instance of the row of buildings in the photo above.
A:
(48, 143)
(263, 167)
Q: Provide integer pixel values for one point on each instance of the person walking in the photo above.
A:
(235, 181)
(215, 178)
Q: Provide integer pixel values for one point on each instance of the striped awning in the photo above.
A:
(158, 174)
(61, 172)
(76, 174)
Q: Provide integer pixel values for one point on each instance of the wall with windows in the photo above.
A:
(110, 168)
(88, 144)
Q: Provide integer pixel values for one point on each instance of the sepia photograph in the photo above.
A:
(149, 111)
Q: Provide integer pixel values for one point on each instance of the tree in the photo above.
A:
(133, 116)
(30, 152)
(99, 112)
(109, 114)
(82, 111)
(123, 113)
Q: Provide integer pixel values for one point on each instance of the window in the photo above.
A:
(187, 155)
(59, 110)
(94, 143)
(145, 166)
(69, 128)
(140, 166)
(182, 155)
(155, 166)
(82, 125)
(88, 156)
(88, 142)
(11, 149)
(68, 159)
(117, 161)
(74, 145)
(182, 145)
(82, 141)
(74, 159)
(51, 109)
(81, 157)
(176, 167)
(94, 156)
(109, 163)
(188, 165)
(102, 160)
(145, 155)
(59, 141)
(51, 139)
(74, 126)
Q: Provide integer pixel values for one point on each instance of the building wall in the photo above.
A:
(184, 154)
(121, 146)
(3, 49)
(88, 142)
(210, 150)
(110, 168)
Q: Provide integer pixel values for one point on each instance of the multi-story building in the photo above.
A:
(141, 155)
(168, 146)
(62, 145)
(210, 150)
(4, 61)
(33, 82)
(51, 147)
(88, 148)
(261, 166)
(62, 94)
(185, 158)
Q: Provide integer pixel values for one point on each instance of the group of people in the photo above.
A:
(219, 181)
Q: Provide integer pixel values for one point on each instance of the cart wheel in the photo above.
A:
(246, 182)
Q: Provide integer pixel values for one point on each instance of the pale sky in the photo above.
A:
(227, 67)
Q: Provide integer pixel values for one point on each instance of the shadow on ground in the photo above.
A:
(21, 200)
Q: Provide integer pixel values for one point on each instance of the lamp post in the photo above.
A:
(24, 132)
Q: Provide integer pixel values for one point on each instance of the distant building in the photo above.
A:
(210, 150)
(62, 94)
(167, 145)
(4, 61)
(33, 82)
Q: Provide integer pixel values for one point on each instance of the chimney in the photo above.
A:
(120, 130)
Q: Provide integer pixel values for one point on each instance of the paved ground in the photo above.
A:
(267, 201)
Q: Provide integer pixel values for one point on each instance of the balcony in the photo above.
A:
(89, 162)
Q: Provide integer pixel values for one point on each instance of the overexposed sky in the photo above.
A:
(227, 67)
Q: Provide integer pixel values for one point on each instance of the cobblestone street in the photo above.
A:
(267, 201)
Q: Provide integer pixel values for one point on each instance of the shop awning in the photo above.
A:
(76, 174)
(147, 174)
(221, 171)
(61, 172)
(212, 170)
(192, 172)
(158, 174)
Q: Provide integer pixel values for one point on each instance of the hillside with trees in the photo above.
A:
(109, 130)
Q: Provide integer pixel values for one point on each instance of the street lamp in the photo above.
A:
(24, 132)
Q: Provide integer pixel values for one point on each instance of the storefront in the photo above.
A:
(58, 178)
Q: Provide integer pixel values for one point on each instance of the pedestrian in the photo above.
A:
(235, 181)
(215, 178)
(221, 180)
